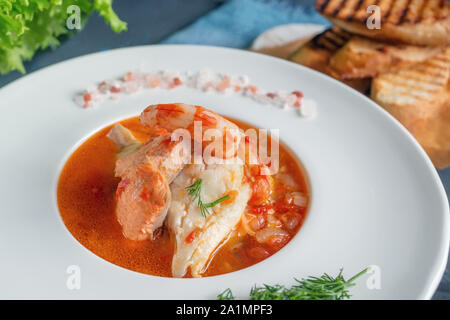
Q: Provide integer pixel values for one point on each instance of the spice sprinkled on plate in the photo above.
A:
(204, 80)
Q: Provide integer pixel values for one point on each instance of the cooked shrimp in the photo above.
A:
(179, 115)
(171, 117)
(143, 195)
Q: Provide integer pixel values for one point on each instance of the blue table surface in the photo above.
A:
(150, 22)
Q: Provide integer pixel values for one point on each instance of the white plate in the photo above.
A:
(376, 198)
(284, 34)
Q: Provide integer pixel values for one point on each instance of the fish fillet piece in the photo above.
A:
(143, 195)
(168, 156)
(143, 198)
(197, 237)
(124, 140)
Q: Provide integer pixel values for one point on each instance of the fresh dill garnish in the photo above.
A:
(312, 288)
(226, 295)
(194, 191)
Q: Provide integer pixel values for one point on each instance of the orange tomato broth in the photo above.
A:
(86, 201)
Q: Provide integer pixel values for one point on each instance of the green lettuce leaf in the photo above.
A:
(30, 25)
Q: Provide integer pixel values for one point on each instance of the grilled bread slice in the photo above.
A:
(362, 57)
(316, 53)
(434, 136)
(415, 92)
(412, 54)
(417, 22)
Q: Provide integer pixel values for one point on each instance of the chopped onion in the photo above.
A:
(252, 223)
(246, 218)
(236, 246)
(299, 199)
(287, 180)
(273, 222)
(257, 223)
(291, 220)
(258, 253)
(264, 235)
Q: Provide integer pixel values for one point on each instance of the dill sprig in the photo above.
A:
(226, 295)
(194, 191)
(312, 288)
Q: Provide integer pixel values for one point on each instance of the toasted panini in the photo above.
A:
(417, 22)
(415, 92)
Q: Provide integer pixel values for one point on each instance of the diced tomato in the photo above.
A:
(254, 170)
(283, 207)
(260, 190)
(232, 196)
(261, 209)
(270, 95)
(191, 236)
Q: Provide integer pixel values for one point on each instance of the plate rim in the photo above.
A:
(432, 283)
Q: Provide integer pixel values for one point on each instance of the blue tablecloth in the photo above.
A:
(238, 22)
